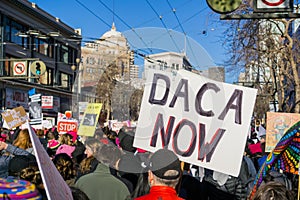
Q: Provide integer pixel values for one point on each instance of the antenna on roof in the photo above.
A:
(113, 11)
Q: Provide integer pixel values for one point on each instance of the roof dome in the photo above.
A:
(112, 33)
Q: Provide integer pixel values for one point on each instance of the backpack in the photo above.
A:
(239, 186)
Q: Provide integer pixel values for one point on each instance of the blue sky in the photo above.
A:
(192, 17)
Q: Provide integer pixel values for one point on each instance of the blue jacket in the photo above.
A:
(4, 159)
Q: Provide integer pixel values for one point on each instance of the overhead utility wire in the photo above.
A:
(137, 51)
(188, 19)
(191, 17)
(131, 28)
(100, 19)
(152, 19)
(92, 13)
(174, 11)
(160, 17)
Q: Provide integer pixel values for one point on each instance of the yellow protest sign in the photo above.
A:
(89, 122)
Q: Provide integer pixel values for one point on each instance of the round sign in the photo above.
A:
(38, 68)
(224, 6)
(19, 68)
(273, 3)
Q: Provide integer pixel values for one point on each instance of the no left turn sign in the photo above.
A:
(273, 4)
(19, 68)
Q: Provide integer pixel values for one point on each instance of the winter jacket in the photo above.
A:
(160, 193)
(100, 184)
(4, 159)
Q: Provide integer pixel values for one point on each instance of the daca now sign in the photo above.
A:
(204, 122)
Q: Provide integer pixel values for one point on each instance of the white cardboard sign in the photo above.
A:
(204, 122)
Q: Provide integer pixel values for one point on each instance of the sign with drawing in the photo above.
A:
(90, 119)
(277, 124)
(35, 110)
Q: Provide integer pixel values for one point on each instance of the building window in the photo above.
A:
(11, 28)
(64, 80)
(173, 65)
(41, 46)
(64, 54)
(46, 78)
(177, 66)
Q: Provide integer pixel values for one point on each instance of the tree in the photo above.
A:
(267, 52)
(105, 86)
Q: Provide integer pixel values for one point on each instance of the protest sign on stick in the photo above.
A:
(204, 122)
(55, 185)
(90, 119)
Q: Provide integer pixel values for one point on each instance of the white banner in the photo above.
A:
(204, 122)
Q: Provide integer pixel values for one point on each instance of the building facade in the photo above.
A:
(166, 61)
(110, 49)
(109, 73)
(30, 34)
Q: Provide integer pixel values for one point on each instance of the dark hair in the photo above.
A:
(142, 187)
(273, 190)
(32, 174)
(20, 162)
(108, 155)
(78, 194)
(65, 166)
(52, 134)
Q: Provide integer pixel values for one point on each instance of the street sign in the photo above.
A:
(19, 68)
(67, 125)
(273, 6)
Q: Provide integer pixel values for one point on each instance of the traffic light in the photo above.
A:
(38, 69)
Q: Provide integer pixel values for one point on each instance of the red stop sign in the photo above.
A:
(67, 125)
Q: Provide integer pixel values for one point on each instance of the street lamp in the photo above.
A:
(77, 89)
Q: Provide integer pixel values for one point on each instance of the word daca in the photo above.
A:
(205, 150)
(183, 84)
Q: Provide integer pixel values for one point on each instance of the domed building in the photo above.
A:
(110, 49)
(105, 76)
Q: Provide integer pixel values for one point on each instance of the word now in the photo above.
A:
(205, 150)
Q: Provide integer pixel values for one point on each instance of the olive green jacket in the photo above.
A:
(100, 184)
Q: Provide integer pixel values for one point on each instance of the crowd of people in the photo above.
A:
(107, 166)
